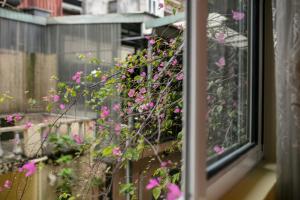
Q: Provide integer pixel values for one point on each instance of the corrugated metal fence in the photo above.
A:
(31, 53)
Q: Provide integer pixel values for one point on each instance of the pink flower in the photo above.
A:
(143, 74)
(220, 38)
(118, 128)
(77, 77)
(163, 164)
(104, 112)
(173, 192)
(154, 182)
(218, 149)
(131, 92)
(55, 98)
(123, 77)
(18, 117)
(152, 41)
(28, 125)
(129, 111)
(144, 107)
(116, 107)
(140, 98)
(130, 70)
(221, 62)
(9, 118)
(101, 128)
(236, 15)
(160, 5)
(177, 110)
(77, 138)
(143, 90)
(155, 77)
(117, 151)
(103, 78)
(151, 104)
(180, 77)
(62, 106)
(174, 62)
(29, 168)
(7, 184)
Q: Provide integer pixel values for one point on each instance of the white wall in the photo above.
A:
(96, 7)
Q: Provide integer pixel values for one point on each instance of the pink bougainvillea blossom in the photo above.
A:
(155, 77)
(118, 128)
(130, 70)
(221, 62)
(152, 41)
(116, 107)
(123, 77)
(151, 104)
(7, 184)
(62, 106)
(103, 78)
(153, 182)
(28, 125)
(179, 76)
(29, 168)
(174, 192)
(143, 74)
(174, 62)
(18, 117)
(77, 138)
(55, 98)
(77, 77)
(129, 111)
(177, 110)
(104, 112)
(140, 98)
(143, 90)
(9, 118)
(236, 15)
(117, 151)
(131, 92)
(166, 163)
(219, 149)
(220, 37)
(144, 107)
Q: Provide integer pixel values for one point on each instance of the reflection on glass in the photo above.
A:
(228, 82)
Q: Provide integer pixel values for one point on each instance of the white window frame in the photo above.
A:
(195, 183)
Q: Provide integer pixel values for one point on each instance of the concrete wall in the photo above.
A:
(95, 7)
(24, 76)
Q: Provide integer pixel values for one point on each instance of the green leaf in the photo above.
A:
(107, 151)
(156, 192)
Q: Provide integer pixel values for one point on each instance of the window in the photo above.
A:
(222, 94)
(152, 6)
(112, 6)
(231, 93)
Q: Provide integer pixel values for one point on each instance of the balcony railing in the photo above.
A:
(31, 142)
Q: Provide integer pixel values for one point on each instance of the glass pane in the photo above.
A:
(228, 77)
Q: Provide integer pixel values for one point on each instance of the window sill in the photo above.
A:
(258, 184)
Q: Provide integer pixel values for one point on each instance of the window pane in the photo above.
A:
(228, 77)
